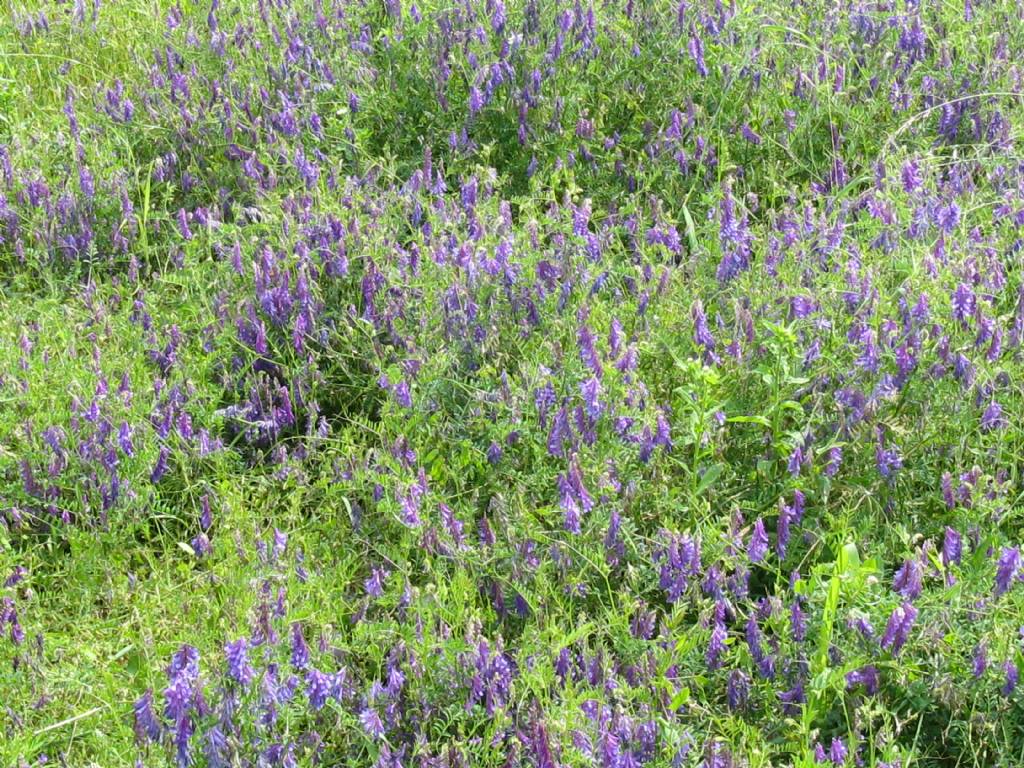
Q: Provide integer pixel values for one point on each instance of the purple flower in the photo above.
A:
(205, 515)
(179, 696)
(796, 460)
(702, 333)
(280, 544)
(201, 545)
(737, 689)
(402, 394)
(734, 239)
(863, 626)
(979, 661)
(591, 390)
(802, 306)
(834, 459)
(183, 730)
(492, 679)
(837, 751)
(716, 645)
(765, 662)
(374, 584)
(147, 727)
(793, 699)
(410, 503)
(318, 688)
(183, 227)
(1007, 569)
(947, 490)
(911, 176)
(992, 418)
(696, 48)
(947, 217)
(476, 100)
(758, 546)
(782, 529)
(615, 335)
(663, 432)
(907, 580)
(588, 350)
(952, 547)
(160, 468)
(717, 755)
(544, 399)
(493, 453)
(866, 676)
(897, 630)
(498, 18)
(452, 524)
(798, 621)
(963, 303)
(371, 722)
(184, 663)
(239, 668)
(680, 561)
(17, 575)
(581, 219)
(1012, 675)
(216, 747)
(888, 461)
(629, 360)
(300, 651)
(615, 549)
(542, 748)
(559, 434)
(572, 511)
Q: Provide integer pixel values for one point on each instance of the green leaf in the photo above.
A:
(691, 231)
(680, 698)
(709, 477)
(749, 420)
(849, 559)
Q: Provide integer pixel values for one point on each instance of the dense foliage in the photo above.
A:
(491, 383)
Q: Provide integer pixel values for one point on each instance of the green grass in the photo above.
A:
(112, 593)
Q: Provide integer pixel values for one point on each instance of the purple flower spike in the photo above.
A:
(1007, 569)
(716, 645)
(952, 547)
(371, 722)
(963, 304)
(147, 727)
(979, 661)
(897, 630)
(239, 668)
(758, 547)
(696, 48)
(992, 418)
(907, 581)
(1012, 675)
(865, 676)
(300, 651)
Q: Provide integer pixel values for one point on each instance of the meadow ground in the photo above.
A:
(528, 383)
